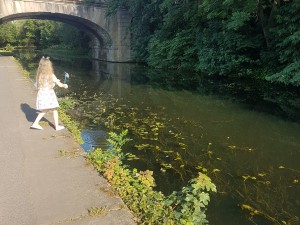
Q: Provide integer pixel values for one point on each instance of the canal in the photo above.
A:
(245, 135)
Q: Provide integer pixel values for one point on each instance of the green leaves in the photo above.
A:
(237, 20)
(42, 34)
(231, 37)
(288, 75)
(117, 141)
(177, 52)
(9, 34)
(187, 206)
(287, 40)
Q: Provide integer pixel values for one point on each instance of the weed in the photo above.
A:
(95, 211)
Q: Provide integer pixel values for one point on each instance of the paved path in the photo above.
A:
(38, 186)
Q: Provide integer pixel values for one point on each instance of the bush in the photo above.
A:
(187, 206)
(9, 48)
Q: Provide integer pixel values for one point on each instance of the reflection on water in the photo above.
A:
(246, 136)
(93, 139)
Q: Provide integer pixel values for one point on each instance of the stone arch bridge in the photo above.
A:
(110, 35)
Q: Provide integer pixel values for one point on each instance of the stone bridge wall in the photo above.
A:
(110, 35)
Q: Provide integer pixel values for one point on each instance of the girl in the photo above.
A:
(46, 98)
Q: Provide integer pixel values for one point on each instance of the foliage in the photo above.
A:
(6, 53)
(287, 36)
(72, 125)
(117, 141)
(9, 48)
(176, 53)
(290, 74)
(191, 199)
(9, 34)
(67, 103)
(95, 211)
(49, 33)
(113, 6)
(136, 189)
(29, 33)
(229, 38)
(217, 53)
(42, 34)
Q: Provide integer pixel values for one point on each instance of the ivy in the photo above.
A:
(136, 188)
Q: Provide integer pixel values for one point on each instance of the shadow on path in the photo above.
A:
(30, 113)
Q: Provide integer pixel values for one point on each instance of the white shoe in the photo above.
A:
(59, 128)
(37, 127)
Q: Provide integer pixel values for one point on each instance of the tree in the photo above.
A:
(229, 40)
(27, 34)
(72, 37)
(9, 34)
(286, 31)
(42, 34)
(49, 33)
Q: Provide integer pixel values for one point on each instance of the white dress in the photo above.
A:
(46, 97)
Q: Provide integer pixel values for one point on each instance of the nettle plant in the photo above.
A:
(187, 206)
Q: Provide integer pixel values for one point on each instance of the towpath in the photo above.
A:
(38, 185)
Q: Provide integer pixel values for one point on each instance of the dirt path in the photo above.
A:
(38, 186)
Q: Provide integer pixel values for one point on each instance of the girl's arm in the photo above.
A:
(58, 83)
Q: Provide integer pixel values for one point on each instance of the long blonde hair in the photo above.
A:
(44, 74)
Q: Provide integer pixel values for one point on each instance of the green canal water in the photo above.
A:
(244, 135)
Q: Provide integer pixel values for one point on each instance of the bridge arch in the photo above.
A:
(109, 35)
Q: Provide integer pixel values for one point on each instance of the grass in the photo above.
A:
(71, 53)
(95, 211)
(6, 53)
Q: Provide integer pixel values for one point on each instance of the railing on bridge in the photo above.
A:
(95, 3)
(78, 2)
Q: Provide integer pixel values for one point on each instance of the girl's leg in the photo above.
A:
(35, 124)
(55, 117)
